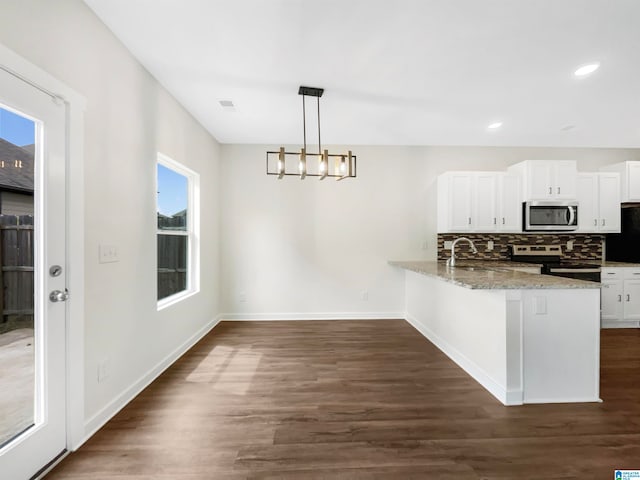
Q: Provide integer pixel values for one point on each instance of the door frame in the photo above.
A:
(75, 105)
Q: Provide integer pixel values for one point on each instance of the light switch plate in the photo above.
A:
(108, 254)
(447, 245)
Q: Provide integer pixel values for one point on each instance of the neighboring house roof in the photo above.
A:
(16, 167)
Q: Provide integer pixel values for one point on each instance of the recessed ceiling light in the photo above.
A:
(586, 69)
(227, 105)
(495, 125)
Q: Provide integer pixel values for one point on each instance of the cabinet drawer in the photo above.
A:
(631, 273)
(611, 273)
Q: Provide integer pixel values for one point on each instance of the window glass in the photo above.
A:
(176, 234)
(173, 199)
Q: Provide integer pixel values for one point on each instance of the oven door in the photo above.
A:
(550, 216)
(589, 274)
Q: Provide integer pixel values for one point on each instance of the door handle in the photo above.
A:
(572, 215)
(59, 296)
(619, 298)
(550, 191)
(628, 297)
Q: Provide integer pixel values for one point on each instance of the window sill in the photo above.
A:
(175, 298)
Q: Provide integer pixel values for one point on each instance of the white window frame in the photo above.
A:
(192, 231)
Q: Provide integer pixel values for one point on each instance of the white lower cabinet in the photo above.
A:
(620, 297)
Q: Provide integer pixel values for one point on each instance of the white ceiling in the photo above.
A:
(395, 72)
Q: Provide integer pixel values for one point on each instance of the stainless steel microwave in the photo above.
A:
(550, 216)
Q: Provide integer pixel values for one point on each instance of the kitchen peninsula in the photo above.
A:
(526, 338)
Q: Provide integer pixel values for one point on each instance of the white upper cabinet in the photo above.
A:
(483, 211)
(609, 202)
(509, 203)
(629, 179)
(478, 202)
(598, 202)
(547, 179)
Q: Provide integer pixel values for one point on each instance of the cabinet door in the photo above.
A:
(564, 179)
(631, 299)
(539, 180)
(609, 202)
(611, 304)
(485, 218)
(509, 204)
(460, 191)
(588, 220)
(633, 181)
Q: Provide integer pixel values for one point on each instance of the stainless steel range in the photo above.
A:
(550, 256)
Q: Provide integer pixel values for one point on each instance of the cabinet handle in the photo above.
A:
(595, 222)
(603, 222)
(469, 220)
(619, 298)
(550, 191)
(503, 224)
(628, 297)
(495, 222)
(558, 190)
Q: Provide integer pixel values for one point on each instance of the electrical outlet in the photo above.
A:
(243, 297)
(108, 254)
(490, 245)
(425, 245)
(569, 245)
(104, 370)
(447, 245)
(364, 295)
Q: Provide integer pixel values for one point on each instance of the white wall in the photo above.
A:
(298, 248)
(128, 118)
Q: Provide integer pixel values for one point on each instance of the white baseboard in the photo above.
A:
(478, 374)
(98, 420)
(312, 316)
(620, 324)
(565, 400)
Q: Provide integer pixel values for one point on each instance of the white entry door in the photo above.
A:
(33, 278)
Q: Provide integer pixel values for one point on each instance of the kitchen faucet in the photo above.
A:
(452, 260)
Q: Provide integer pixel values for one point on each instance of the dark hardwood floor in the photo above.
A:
(356, 400)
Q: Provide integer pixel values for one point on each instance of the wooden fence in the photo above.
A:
(16, 274)
(172, 264)
(172, 255)
(16, 261)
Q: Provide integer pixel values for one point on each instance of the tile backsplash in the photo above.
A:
(585, 246)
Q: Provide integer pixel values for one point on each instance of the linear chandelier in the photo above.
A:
(305, 164)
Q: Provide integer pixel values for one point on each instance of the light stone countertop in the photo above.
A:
(489, 275)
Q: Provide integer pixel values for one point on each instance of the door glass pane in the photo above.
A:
(17, 371)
